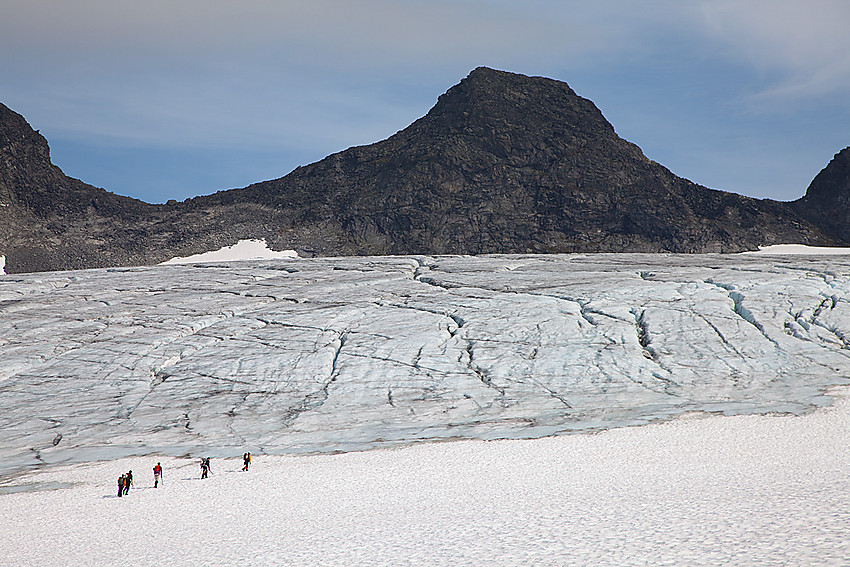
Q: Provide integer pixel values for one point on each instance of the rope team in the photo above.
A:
(125, 481)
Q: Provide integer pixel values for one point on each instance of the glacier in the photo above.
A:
(324, 355)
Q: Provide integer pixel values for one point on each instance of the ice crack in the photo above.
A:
(723, 339)
(740, 310)
(478, 371)
(746, 314)
(643, 335)
(555, 395)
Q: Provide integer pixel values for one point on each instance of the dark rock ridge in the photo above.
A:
(827, 200)
(503, 163)
(49, 221)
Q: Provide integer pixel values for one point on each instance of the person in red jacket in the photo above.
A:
(157, 475)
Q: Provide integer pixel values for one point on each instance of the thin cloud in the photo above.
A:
(381, 29)
(213, 72)
(306, 78)
(805, 44)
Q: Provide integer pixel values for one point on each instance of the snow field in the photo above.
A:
(744, 490)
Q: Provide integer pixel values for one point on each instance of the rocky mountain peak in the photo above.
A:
(23, 151)
(49, 221)
(833, 182)
(827, 199)
(15, 132)
(506, 163)
(489, 102)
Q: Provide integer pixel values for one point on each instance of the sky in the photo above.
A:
(168, 99)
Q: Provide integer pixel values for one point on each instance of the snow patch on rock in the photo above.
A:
(242, 250)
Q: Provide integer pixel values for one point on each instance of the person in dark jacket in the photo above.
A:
(121, 481)
(205, 467)
(128, 481)
(246, 460)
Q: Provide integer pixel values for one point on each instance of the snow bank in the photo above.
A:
(746, 490)
(799, 249)
(242, 250)
(2, 265)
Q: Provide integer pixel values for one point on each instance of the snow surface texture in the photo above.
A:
(323, 355)
(242, 250)
(746, 490)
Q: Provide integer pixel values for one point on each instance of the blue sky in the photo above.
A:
(168, 99)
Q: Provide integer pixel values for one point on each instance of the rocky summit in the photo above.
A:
(503, 163)
(827, 200)
(51, 221)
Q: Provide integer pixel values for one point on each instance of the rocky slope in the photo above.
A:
(827, 200)
(49, 221)
(502, 163)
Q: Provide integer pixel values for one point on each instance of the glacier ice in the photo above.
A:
(338, 354)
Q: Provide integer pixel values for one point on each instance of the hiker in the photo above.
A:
(205, 467)
(128, 481)
(246, 459)
(121, 482)
(157, 475)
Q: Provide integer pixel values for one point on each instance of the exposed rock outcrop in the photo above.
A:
(51, 221)
(827, 200)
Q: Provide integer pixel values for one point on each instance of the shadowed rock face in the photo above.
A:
(502, 163)
(51, 221)
(827, 200)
